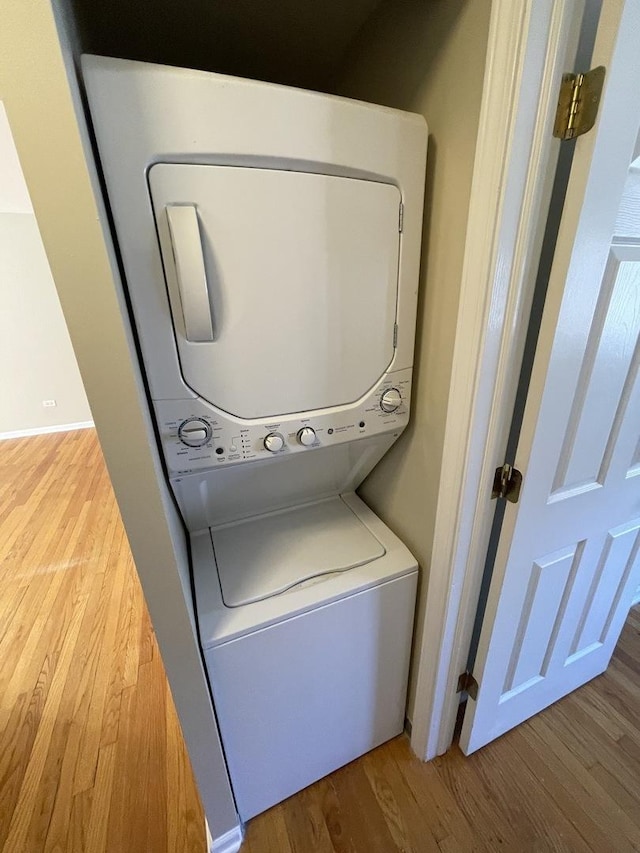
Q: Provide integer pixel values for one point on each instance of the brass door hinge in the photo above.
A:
(507, 483)
(578, 103)
(467, 684)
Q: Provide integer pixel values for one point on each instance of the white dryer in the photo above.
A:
(270, 240)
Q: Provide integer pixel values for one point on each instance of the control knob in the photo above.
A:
(194, 432)
(307, 436)
(390, 400)
(273, 442)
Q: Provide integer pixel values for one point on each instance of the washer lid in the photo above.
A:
(282, 285)
(267, 555)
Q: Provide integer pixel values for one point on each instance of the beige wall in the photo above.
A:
(443, 80)
(41, 103)
(35, 349)
(282, 41)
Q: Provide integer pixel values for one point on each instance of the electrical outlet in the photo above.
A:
(48, 403)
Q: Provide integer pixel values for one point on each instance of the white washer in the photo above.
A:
(324, 664)
(270, 239)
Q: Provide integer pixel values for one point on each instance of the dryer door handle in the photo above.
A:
(191, 275)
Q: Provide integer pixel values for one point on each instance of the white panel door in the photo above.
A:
(283, 285)
(568, 561)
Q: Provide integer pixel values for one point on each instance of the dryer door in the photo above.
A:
(282, 285)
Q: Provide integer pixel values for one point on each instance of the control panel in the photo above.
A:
(196, 435)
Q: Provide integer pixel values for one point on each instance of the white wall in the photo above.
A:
(35, 350)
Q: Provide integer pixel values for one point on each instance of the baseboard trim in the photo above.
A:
(636, 598)
(228, 843)
(23, 433)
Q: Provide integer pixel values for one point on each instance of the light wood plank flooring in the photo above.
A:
(91, 754)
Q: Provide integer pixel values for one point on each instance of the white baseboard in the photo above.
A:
(636, 598)
(228, 843)
(23, 433)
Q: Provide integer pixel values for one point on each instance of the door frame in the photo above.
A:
(530, 43)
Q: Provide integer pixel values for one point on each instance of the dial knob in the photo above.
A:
(390, 400)
(307, 436)
(194, 432)
(273, 442)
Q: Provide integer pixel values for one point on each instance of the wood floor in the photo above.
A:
(91, 754)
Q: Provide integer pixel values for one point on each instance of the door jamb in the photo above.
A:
(529, 43)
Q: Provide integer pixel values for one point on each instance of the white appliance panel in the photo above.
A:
(232, 441)
(315, 692)
(230, 493)
(268, 554)
(297, 274)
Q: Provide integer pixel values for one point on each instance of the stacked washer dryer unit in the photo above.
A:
(270, 239)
